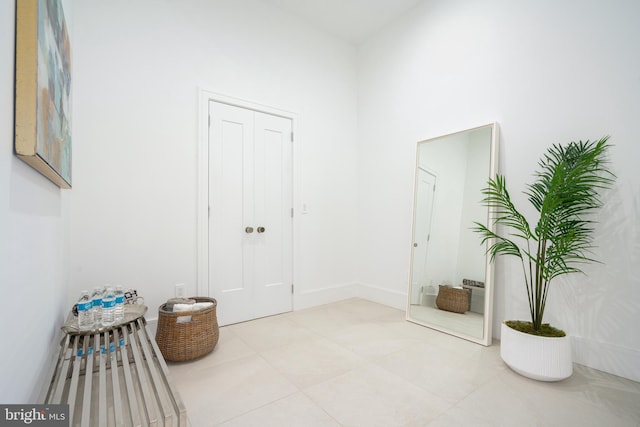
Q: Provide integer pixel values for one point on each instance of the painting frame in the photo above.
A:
(43, 89)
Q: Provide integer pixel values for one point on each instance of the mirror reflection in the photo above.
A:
(450, 286)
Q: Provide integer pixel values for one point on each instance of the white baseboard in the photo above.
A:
(320, 296)
(616, 360)
(314, 297)
(392, 298)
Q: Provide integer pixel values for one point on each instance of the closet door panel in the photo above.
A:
(273, 202)
(231, 252)
(250, 223)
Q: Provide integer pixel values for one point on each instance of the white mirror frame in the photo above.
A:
(489, 268)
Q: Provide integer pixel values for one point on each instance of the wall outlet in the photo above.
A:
(180, 289)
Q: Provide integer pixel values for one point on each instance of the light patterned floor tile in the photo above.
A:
(451, 376)
(372, 340)
(358, 363)
(510, 398)
(229, 347)
(225, 391)
(309, 362)
(270, 332)
(371, 396)
(294, 411)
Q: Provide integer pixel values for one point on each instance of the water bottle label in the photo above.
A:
(79, 354)
(108, 304)
(121, 342)
(84, 306)
(97, 302)
(120, 299)
(103, 350)
(112, 347)
(89, 351)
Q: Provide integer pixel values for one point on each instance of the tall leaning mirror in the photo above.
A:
(451, 280)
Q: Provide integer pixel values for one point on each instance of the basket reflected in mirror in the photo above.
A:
(456, 300)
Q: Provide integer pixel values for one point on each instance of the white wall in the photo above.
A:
(548, 72)
(34, 249)
(138, 68)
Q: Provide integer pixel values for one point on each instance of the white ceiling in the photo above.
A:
(351, 20)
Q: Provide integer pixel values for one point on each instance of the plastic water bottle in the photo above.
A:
(108, 307)
(85, 311)
(96, 299)
(119, 311)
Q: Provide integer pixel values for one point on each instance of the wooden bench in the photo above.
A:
(115, 377)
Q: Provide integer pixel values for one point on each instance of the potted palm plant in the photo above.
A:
(566, 193)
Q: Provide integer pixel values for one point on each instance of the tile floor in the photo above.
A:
(358, 363)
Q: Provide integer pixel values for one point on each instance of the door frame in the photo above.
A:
(203, 287)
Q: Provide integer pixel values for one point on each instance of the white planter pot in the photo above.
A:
(539, 358)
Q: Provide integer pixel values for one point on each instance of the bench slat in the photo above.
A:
(75, 375)
(150, 407)
(157, 385)
(116, 377)
(88, 380)
(131, 392)
(102, 382)
(56, 378)
(174, 395)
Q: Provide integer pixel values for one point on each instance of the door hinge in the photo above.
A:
(291, 136)
(209, 211)
(291, 212)
(292, 288)
(209, 120)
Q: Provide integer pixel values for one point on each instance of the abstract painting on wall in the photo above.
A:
(43, 85)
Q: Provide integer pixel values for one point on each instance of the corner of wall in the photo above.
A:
(314, 297)
(607, 357)
(392, 298)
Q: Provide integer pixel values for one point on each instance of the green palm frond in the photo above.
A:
(499, 245)
(565, 193)
(498, 201)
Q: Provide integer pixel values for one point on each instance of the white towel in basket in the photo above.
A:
(191, 307)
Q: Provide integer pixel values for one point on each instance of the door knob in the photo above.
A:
(248, 230)
(261, 229)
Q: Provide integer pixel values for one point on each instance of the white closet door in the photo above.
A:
(250, 225)
(272, 214)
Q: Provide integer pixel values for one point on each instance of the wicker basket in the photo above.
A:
(181, 339)
(453, 299)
